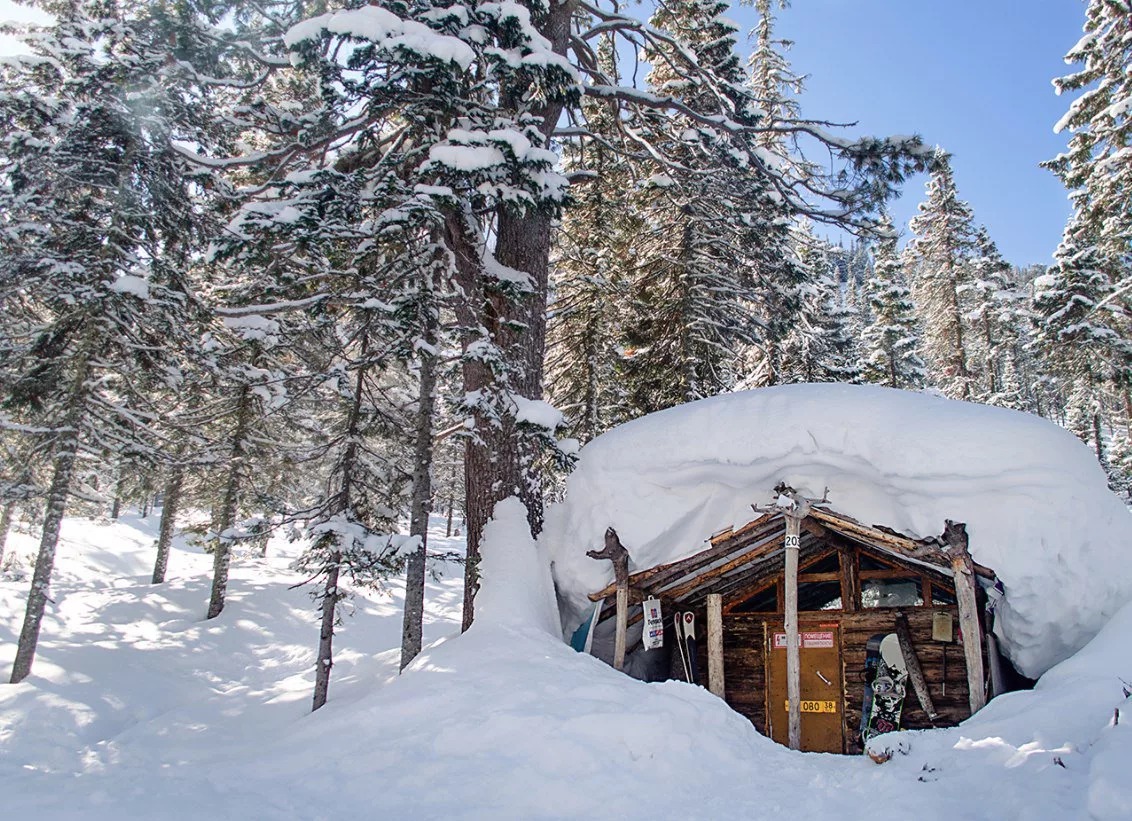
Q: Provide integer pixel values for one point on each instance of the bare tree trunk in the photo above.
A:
(331, 595)
(5, 526)
(1098, 442)
(330, 599)
(168, 522)
(222, 556)
(413, 624)
(45, 561)
(451, 507)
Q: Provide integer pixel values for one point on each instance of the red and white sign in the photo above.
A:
(809, 639)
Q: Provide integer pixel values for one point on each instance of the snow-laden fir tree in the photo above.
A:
(691, 300)
(590, 274)
(471, 102)
(778, 276)
(938, 263)
(1073, 331)
(820, 346)
(891, 339)
(1096, 167)
(97, 226)
(992, 319)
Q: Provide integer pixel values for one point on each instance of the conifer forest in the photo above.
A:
(325, 268)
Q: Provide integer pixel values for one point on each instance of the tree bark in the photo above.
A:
(5, 526)
(495, 465)
(222, 556)
(331, 595)
(330, 599)
(66, 451)
(172, 499)
(45, 560)
(412, 628)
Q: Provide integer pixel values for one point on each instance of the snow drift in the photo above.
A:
(1036, 503)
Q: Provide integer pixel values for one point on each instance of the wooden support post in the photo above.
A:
(850, 583)
(955, 536)
(912, 662)
(715, 643)
(793, 657)
(619, 556)
(622, 627)
(994, 658)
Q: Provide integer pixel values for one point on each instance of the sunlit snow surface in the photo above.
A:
(139, 709)
(1035, 501)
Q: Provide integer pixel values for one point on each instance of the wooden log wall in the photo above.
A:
(745, 673)
(743, 666)
(951, 702)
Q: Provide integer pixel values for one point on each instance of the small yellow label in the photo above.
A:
(814, 706)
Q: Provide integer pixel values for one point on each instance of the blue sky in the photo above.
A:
(970, 75)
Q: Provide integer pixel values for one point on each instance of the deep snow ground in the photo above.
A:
(139, 709)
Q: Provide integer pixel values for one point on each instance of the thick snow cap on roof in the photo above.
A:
(1036, 503)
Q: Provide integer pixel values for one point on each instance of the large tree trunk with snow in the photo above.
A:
(496, 463)
(412, 628)
(170, 503)
(45, 560)
(222, 555)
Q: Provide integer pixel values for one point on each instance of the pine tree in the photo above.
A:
(478, 144)
(590, 275)
(939, 256)
(819, 346)
(1073, 331)
(991, 317)
(96, 217)
(1097, 166)
(891, 340)
(1096, 169)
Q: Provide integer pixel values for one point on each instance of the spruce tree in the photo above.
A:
(939, 256)
(891, 340)
(97, 223)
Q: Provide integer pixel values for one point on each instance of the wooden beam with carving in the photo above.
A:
(619, 556)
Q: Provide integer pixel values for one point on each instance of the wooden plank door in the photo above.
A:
(822, 693)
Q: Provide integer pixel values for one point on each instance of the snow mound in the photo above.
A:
(1036, 503)
(1071, 736)
(517, 588)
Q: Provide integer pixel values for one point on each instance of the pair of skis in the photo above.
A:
(684, 628)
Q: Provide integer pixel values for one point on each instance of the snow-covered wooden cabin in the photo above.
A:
(678, 488)
(853, 582)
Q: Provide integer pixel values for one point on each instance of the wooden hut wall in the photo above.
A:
(744, 648)
(948, 692)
